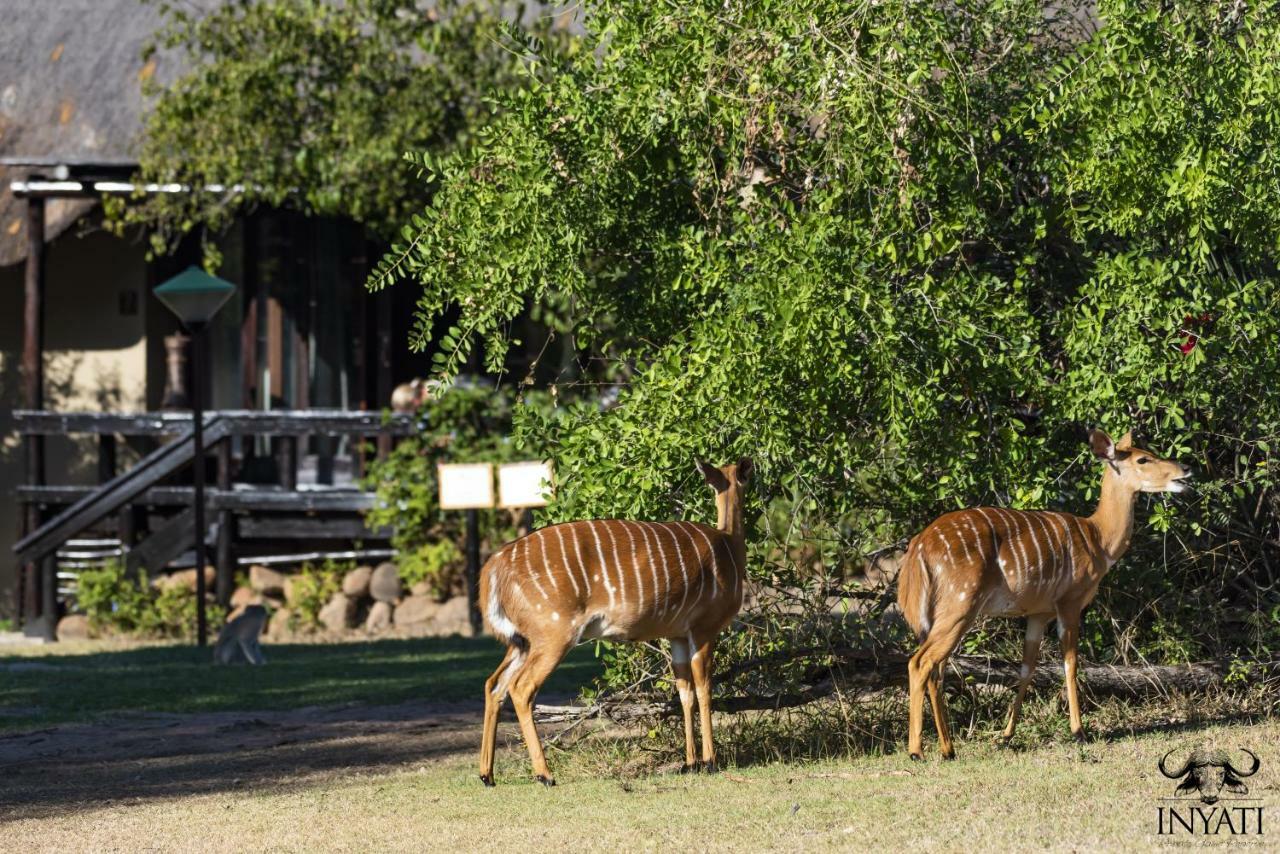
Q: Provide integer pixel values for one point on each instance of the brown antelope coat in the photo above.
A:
(1038, 564)
(617, 580)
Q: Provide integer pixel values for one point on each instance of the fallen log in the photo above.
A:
(863, 673)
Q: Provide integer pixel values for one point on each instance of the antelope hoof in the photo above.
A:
(487, 779)
(949, 755)
(689, 768)
(545, 780)
(1079, 736)
(917, 757)
(711, 767)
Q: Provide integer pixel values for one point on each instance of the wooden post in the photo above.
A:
(473, 570)
(33, 314)
(33, 398)
(197, 476)
(382, 335)
(224, 579)
(106, 457)
(49, 595)
(127, 527)
(287, 461)
(382, 306)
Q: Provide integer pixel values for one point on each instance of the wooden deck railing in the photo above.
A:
(126, 502)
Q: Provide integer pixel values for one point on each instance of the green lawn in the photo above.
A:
(44, 685)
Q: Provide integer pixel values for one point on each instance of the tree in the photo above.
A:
(311, 105)
(898, 252)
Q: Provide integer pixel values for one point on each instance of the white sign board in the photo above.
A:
(524, 484)
(465, 486)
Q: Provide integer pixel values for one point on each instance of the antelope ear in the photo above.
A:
(745, 468)
(1100, 442)
(1126, 441)
(713, 476)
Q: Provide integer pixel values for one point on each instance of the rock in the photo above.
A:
(384, 584)
(379, 619)
(454, 618)
(421, 588)
(415, 611)
(267, 581)
(242, 596)
(356, 582)
(73, 627)
(184, 579)
(278, 626)
(339, 614)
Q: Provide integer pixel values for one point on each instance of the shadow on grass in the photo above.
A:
(1118, 733)
(95, 729)
(39, 691)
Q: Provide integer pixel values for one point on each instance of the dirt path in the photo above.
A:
(136, 758)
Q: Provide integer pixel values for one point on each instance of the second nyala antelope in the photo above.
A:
(621, 581)
(1036, 564)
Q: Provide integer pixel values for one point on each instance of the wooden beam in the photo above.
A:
(240, 422)
(242, 500)
(304, 528)
(169, 540)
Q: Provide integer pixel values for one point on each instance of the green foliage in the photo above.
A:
(117, 602)
(462, 424)
(437, 563)
(899, 253)
(311, 104)
(311, 588)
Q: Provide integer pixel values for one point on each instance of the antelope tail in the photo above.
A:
(915, 592)
(492, 584)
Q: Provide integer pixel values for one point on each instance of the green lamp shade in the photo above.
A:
(194, 296)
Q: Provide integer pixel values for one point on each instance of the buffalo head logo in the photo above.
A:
(1208, 771)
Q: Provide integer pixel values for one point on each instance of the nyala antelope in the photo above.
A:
(1038, 564)
(620, 581)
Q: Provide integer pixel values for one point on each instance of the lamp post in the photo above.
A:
(195, 297)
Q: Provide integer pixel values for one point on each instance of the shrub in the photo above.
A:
(310, 589)
(117, 601)
(437, 563)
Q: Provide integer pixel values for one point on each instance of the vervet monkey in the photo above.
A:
(238, 640)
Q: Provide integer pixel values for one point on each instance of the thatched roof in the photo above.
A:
(70, 90)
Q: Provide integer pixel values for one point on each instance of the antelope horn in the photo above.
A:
(1173, 775)
(1253, 770)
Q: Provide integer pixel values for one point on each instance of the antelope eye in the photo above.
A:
(1142, 461)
